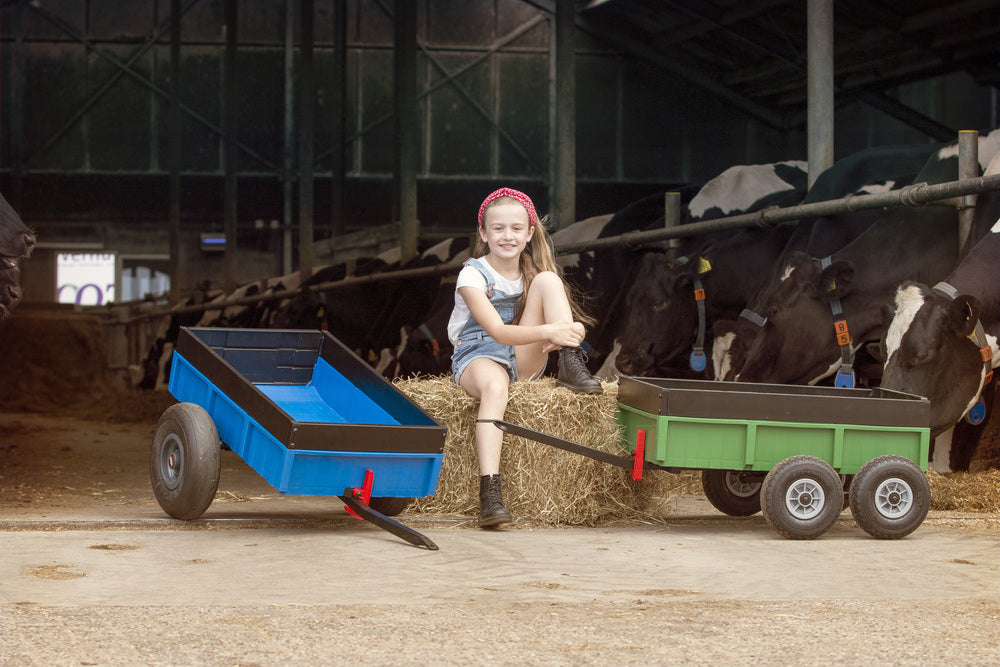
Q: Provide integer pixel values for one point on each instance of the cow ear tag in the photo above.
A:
(704, 266)
(698, 361)
(977, 413)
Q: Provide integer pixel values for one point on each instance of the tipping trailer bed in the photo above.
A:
(791, 452)
(304, 412)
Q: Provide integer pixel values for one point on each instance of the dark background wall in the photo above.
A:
(84, 141)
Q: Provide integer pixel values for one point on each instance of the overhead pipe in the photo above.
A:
(918, 194)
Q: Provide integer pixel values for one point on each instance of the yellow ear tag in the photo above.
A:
(833, 286)
(704, 266)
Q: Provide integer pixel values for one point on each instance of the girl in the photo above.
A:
(511, 309)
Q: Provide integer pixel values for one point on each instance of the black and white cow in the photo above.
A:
(673, 301)
(869, 171)
(930, 345)
(802, 340)
(16, 244)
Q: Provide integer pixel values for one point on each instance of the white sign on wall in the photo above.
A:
(86, 279)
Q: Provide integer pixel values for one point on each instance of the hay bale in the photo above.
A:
(965, 492)
(56, 361)
(546, 484)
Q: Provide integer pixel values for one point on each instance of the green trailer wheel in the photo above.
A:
(733, 492)
(185, 461)
(890, 497)
(801, 497)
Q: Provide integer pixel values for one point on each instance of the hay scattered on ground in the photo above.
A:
(965, 492)
(546, 484)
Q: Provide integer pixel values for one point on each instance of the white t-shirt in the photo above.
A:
(470, 277)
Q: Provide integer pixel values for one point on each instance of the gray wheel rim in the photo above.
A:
(740, 485)
(893, 498)
(805, 499)
(171, 463)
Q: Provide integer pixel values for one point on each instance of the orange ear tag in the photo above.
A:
(843, 335)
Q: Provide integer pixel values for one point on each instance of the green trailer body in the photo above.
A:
(701, 424)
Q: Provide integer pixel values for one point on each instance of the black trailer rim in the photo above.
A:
(171, 462)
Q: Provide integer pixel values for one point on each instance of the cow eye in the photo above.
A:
(773, 311)
(659, 306)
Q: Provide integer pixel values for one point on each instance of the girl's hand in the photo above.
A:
(564, 334)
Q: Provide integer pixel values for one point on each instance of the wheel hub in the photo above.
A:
(805, 499)
(893, 498)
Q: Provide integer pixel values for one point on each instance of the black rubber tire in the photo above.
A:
(801, 497)
(890, 497)
(388, 505)
(733, 492)
(185, 461)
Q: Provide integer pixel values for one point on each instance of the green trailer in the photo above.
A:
(796, 453)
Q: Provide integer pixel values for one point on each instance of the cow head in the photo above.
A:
(731, 341)
(929, 352)
(797, 343)
(661, 316)
(16, 240)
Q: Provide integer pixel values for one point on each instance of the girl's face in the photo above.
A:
(506, 230)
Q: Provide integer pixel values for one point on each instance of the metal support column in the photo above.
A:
(288, 148)
(968, 167)
(338, 117)
(672, 218)
(307, 101)
(565, 102)
(230, 121)
(405, 71)
(820, 86)
(17, 82)
(174, 156)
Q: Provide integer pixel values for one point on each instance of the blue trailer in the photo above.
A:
(304, 412)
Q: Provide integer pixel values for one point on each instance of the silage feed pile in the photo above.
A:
(544, 484)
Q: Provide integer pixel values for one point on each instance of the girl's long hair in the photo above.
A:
(538, 256)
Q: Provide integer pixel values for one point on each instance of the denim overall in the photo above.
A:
(473, 341)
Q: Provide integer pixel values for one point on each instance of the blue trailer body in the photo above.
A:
(306, 413)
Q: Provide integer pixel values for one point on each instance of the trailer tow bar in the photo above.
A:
(636, 463)
(356, 503)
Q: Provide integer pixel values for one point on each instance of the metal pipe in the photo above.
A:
(968, 167)
(819, 86)
(230, 120)
(672, 217)
(405, 62)
(288, 148)
(174, 156)
(917, 194)
(338, 117)
(565, 115)
(307, 101)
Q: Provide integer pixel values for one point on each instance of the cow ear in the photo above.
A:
(835, 280)
(963, 313)
(876, 348)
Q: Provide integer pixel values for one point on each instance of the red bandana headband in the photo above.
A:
(516, 195)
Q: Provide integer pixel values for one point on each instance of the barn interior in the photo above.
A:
(194, 146)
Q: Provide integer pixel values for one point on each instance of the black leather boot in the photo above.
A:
(492, 512)
(573, 373)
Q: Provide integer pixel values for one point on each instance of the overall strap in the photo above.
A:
(487, 275)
